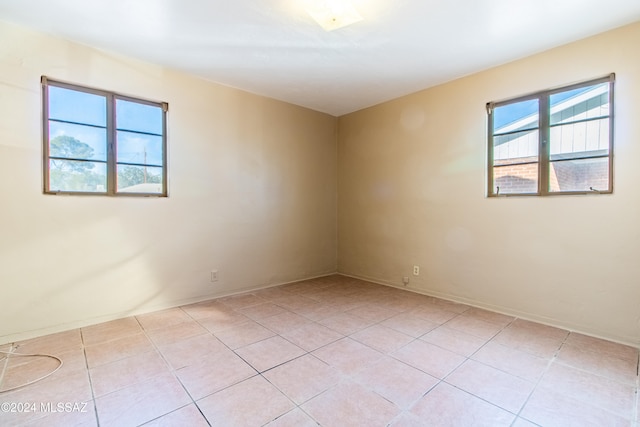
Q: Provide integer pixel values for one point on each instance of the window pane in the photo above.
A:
(139, 179)
(77, 141)
(78, 107)
(70, 175)
(515, 179)
(138, 117)
(580, 104)
(516, 147)
(579, 175)
(517, 116)
(580, 139)
(139, 148)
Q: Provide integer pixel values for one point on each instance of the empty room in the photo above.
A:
(319, 213)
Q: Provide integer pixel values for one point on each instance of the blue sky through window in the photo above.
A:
(507, 114)
(510, 113)
(83, 116)
(138, 117)
(78, 107)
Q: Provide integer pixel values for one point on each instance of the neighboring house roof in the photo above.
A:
(588, 138)
(580, 98)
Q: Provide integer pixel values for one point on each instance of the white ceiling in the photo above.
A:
(274, 48)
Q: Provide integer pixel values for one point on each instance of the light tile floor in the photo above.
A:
(332, 351)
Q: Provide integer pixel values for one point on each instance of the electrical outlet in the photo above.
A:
(214, 275)
(416, 270)
(405, 280)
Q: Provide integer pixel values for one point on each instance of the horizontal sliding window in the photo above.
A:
(553, 142)
(98, 142)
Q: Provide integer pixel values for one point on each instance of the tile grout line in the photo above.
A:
(157, 350)
(516, 415)
(309, 353)
(295, 405)
(258, 373)
(443, 380)
(555, 360)
(537, 383)
(6, 362)
(86, 364)
(380, 323)
(173, 371)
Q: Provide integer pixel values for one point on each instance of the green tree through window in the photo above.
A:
(73, 174)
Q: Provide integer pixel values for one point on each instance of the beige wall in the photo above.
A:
(252, 185)
(411, 191)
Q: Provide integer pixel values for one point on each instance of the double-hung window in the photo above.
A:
(557, 141)
(99, 142)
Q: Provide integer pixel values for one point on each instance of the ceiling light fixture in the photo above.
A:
(333, 14)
